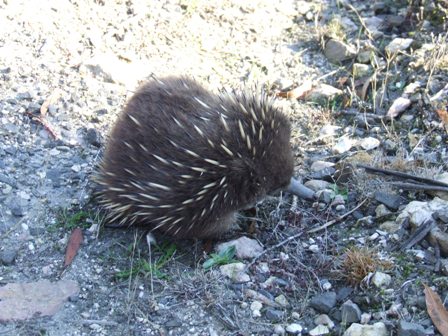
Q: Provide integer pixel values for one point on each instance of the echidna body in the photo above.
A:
(183, 160)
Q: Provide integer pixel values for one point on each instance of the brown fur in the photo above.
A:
(172, 163)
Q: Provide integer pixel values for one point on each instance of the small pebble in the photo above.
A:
(294, 328)
(319, 330)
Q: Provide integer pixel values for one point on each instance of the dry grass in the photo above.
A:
(358, 262)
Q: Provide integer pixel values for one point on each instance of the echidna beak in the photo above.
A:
(298, 189)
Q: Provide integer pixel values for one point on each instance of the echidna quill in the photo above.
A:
(183, 160)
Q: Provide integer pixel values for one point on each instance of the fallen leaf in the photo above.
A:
(73, 246)
(50, 100)
(299, 92)
(342, 80)
(398, 106)
(436, 310)
(443, 115)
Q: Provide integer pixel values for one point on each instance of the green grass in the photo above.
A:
(68, 220)
(142, 267)
(223, 258)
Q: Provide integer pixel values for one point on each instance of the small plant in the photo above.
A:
(143, 267)
(358, 262)
(340, 191)
(70, 221)
(223, 258)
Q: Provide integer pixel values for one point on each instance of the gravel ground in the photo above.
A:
(67, 68)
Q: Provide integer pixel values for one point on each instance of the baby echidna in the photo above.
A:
(183, 160)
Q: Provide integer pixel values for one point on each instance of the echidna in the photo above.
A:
(183, 160)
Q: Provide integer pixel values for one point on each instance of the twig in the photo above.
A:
(368, 33)
(403, 175)
(44, 123)
(437, 255)
(287, 240)
(100, 322)
(337, 219)
(417, 236)
(414, 186)
(50, 100)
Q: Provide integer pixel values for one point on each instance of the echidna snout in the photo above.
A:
(183, 160)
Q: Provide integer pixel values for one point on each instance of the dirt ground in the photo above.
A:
(85, 59)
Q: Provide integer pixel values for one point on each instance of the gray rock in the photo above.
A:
(337, 51)
(16, 208)
(381, 211)
(325, 195)
(22, 301)
(245, 248)
(320, 165)
(390, 200)
(93, 137)
(24, 95)
(274, 315)
(398, 44)
(364, 56)
(8, 256)
(344, 293)
(361, 70)
(323, 174)
(350, 312)
(410, 329)
(173, 323)
(324, 302)
(317, 185)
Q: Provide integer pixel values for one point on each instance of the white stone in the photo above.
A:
(235, 272)
(324, 319)
(256, 305)
(317, 185)
(365, 318)
(398, 44)
(381, 279)
(319, 330)
(328, 130)
(282, 301)
(314, 248)
(344, 144)
(369, 143)
(377, 329)
(279, 330)
(319, 165)
(294, 328)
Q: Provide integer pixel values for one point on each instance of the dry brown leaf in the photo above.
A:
(73, 246)
(50, 100)
(299, 92)
(398, 106)
(342, 80)
(443, 115)
(436, 310)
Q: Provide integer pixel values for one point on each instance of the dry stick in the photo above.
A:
(413, 186)
(403, 175)
(417, 236)
(44, 123)
(287, 240)
(337, 219)
(368, 33)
